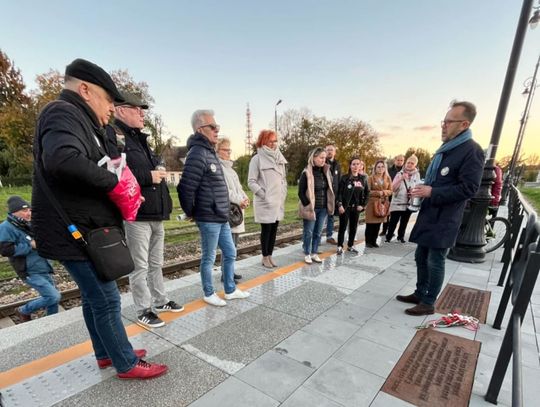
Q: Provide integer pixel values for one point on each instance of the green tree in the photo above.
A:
(241, 166)
(353, 137)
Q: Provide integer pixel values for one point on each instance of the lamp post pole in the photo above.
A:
(530, 88)
(275, 115)
(471, 240)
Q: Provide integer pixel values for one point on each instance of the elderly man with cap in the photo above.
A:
(18, 244)
(69, 142)
(145, 236)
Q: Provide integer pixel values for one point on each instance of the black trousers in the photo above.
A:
(350, 217)
(398, 216)
(268, 237)
(372, 231)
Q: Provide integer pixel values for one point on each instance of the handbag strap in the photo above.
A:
(74, 232)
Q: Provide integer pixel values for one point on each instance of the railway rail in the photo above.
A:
(8, 310)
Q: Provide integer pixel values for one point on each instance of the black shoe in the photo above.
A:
(372, 245)
(236, 277)
(352, 249)
(388, 240)
(410, 299)
(401, 239)
(382, 233)
(171, 306)
(421, 309)
(149, 320)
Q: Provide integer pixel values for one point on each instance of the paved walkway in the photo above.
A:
(319, 335)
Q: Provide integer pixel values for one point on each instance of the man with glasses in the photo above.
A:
(69, 141)
(146, 235)
(452, 178)
(204, 197)
(18, 245)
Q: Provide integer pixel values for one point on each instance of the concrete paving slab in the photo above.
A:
(331, 329)
(345, 384)
(274, 288)
(238, 341)
(393, 312)
(379, 261)
(304, 397)
(491, 345)
(370, 356)
(235, 393)
(393, 336)
(366, 298)
(309, 349)
(189, 376)
(349, 312)
(275, 375)
(308, 301)
(344, 277)
(386, 400)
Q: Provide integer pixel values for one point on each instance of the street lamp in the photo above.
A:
(471, 240)
(530, 87)
(275, 115)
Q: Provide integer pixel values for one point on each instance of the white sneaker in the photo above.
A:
(236, 295)
(215, 300)
(308, 260)
(316, 258)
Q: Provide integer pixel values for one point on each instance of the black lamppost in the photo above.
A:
(275, 114)
(530, 87)
(471, 240)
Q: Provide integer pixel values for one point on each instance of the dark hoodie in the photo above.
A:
(202, 190)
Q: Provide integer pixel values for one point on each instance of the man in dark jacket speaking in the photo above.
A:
(69, 141)
(204, 197)
(452, 178)
(145, 236)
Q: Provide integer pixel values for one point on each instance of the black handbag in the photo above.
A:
(236, 217)
(106, 247)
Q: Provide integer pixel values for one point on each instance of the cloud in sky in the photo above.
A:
(425, 128)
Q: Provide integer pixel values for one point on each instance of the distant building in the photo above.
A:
(174, 158)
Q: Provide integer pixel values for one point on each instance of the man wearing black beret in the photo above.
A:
(68, 143)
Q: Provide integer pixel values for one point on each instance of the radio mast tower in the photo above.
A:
(249, 133)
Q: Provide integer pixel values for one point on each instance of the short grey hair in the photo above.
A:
(196, 117)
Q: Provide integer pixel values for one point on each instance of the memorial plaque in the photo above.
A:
(465, 301)
(436, 370)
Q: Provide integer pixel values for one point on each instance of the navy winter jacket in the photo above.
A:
(457, 181)
(202, 190)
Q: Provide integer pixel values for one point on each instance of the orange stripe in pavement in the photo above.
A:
(38, 366)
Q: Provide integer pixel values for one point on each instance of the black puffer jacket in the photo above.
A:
(141, 161)
(67, 145)
(202, 189)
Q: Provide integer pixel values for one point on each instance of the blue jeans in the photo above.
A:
(43, 283)
(101, 311)
(330, 226)
(212, 236)
(430, 273)
(312, 232)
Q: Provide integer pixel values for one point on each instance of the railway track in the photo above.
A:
(8, 310)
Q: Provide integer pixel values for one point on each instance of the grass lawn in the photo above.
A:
(533, 196)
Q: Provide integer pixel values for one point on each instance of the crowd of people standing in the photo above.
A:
(73, 193)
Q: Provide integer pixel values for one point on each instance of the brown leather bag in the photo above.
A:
(381, 207)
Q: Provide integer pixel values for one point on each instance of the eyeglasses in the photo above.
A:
(447, 122)
(227, 150)
(272, 141)
(213, 127)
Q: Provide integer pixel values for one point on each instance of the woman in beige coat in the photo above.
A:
(267, 180)
(380, 186)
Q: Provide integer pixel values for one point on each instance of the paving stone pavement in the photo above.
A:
(312, 335)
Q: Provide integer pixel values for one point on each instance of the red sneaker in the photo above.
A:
(104, 363)
(144, 370)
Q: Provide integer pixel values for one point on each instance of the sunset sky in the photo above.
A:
(395, 65)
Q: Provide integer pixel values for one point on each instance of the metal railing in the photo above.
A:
(522, 258)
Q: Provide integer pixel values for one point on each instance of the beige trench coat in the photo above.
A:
(377, 189)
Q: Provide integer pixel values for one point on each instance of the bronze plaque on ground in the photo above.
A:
(464, 300)
(436, 370)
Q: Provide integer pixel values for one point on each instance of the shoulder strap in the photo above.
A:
(54, 202)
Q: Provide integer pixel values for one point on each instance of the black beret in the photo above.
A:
(131, 99)
(90, 72)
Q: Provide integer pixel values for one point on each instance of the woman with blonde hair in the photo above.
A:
(404, 181)
(267, 179)
(236, 192)
(380, 188)
(317, 200)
